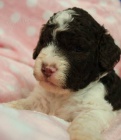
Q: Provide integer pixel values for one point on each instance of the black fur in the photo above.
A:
(88, 47)
(112, 83)
(95, 48)
(45, 38)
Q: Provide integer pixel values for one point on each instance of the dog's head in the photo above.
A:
(73, 50)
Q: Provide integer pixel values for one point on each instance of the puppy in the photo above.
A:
(74, 61)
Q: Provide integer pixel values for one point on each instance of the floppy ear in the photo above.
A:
(36, 50)
(109, 52)
(39, 44)
(45, 37)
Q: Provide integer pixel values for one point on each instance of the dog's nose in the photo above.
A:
(48, 70)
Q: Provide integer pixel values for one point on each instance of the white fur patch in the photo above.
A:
(49, 56)
(87, 110)
(62, 19)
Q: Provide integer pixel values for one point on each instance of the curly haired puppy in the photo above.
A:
(74, 61)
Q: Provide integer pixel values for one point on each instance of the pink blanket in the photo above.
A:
(20, 23)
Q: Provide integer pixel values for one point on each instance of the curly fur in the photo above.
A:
(84, 90)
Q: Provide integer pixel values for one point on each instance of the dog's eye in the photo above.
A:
(77, 49)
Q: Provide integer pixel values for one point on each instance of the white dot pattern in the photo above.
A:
(15, 17)
(31, 31)
(47, 14)
(111, 20)
(1, 4)
(1, 32)
(103, 3)
(31, 3)
(65, 4)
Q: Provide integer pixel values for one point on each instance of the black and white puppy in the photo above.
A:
(74, 61)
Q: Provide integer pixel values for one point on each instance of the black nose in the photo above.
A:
(48, 70)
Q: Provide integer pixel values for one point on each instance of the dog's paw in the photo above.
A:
(14, 104)
(85, 137)
(10, 104)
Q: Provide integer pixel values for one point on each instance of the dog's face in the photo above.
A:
(73, 50)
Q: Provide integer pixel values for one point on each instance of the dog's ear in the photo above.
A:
(109, 52)
(39, 44)
(36, 50)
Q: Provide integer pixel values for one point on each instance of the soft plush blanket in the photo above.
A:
(20, 23)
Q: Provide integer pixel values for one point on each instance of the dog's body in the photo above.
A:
(75, 57)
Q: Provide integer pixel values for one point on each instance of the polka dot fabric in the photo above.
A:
(20, 23)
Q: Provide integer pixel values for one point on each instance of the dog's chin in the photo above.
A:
(53, 88)
(48, 83)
